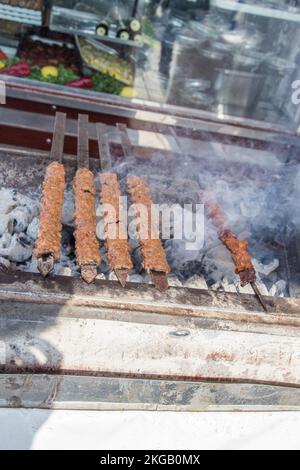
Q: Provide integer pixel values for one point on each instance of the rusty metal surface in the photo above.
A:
(58, 138)
(27, 287)
(59, 326)
(109, 393)
(33, 100)
(104, 148)
(126, 144)
(83, 158)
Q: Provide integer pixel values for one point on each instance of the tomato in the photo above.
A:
(3, 56)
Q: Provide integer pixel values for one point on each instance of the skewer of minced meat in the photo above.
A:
(238, 248)
(117, 246)
(86, 243)
(154, 257)
(48, 244)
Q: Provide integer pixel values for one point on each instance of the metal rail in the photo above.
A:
(57, 392)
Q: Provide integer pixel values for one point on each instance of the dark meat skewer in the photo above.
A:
(48, 244)
(154, 258)
(238, 249)
(118, 248)
(86, 243)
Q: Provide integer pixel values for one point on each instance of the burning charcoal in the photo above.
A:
(216, 287)
(279, 289)
(7, 201)
(68, 208)
(196, 282)
(62, 270)
(248, 290)
(101, 277)
(21, 218)
(6, 224)
(229, 286)
(31, 204)
(4, 265)
(33, 229)
(68, 240)
(136, 278)
(5, 240)
(112, 276)
(174, 281)
(191, 268)
(31, 266)
(67, 272)
(136, 257)
(266, 269)
(20, 249)
(104, 268)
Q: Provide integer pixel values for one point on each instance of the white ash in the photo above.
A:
(6, 224)
(5, 240)
(20, 218)
(255, 193)
(16, 213)
(4, 264)
(265, 269)
(33, 229)
(207, 268)
(68, 208)
(174, 281)
(8, 201)
(112, 276)
(196, 282)
(138, 278)
(101, 277)
(19, 250)
(225, 286)
(66, 272)
(279, 289)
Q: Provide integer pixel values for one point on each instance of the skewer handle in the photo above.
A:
(83, 160)
(57, 148)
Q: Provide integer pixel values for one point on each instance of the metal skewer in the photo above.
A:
(122, 275)
(45, 263)
(258, 295)
(160, 280)
(125, 140)
(106, 165)
(88, 271)
(248, 279)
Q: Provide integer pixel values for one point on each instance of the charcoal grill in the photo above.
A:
(67, 345)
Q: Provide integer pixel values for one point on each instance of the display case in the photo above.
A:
(222, 60)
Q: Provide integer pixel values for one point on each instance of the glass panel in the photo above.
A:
(227, 57)
(233, 60)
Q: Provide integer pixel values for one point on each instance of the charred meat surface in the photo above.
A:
(154, 258)
(87, 246)
(238, 248)
(50, 225)
(240, 256)
(117, 246)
